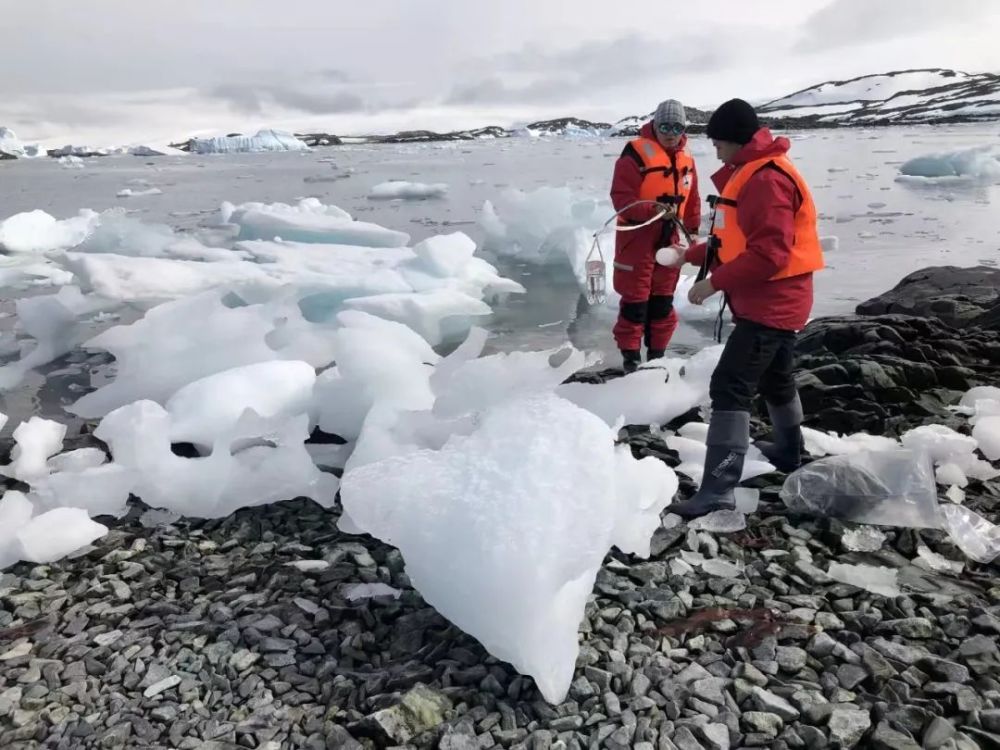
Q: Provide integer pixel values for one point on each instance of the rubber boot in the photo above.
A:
(652, 354)
(785, 451)
(631, 359)
(728, 440)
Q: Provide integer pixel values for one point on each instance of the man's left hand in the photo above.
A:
(701, 291)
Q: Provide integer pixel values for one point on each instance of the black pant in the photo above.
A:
(756, 358)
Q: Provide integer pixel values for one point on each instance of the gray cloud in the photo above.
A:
(592, 67)
(255, 99)
(845, 23)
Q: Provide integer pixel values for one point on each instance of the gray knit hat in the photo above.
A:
(670, 111)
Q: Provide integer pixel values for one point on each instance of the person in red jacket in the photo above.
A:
(656, 166)
(763, 250)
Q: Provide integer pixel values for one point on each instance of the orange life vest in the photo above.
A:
(665, 177)
(806, 255)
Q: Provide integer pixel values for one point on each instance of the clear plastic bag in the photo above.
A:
(883, 488)
(974, 535)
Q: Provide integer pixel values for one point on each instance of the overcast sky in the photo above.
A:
(101, 70)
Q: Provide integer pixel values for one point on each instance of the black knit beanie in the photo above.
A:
(735, 121)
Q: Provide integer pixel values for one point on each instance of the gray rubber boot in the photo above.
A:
(728, 440)
(631, 359)
(785, 451)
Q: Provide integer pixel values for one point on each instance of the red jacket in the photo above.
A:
(765, 209)
(625, 190)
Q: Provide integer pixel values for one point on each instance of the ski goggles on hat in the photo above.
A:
(670, 128)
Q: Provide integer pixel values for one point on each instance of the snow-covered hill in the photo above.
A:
(907, 96)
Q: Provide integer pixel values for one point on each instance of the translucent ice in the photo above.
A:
(401, 190)
(987, 435)
(264, 140)
(37, 440)
(358, 591)
(308, 221)
(720, 522)
(877, 580)
(503, 530)
(863, 539)
(202, 410)
(57, 533)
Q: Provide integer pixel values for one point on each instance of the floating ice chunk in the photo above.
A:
(930, 560)
(982, 162)
(208, 407)
(10, 144)
(987, 434)
(894, 488)
(38, 232)
(447, 254)
(877, 580)
(71, 162)
(720, 522)
(863, 539)
(974, 535)
(131, 279)
(309, 221)
(503, 530)
(57, 533)
(264, 140)
(357, 591)
(130, 193)
(155, 149)
(15, 513)
(37, 440)
(830, 244)
(401, 190)
(56, 322)
(439, 316)
(154, 362)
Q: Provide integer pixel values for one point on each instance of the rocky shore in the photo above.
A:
(247, 632)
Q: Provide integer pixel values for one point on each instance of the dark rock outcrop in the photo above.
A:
(956, 296)
(889, 373)
(319, 139)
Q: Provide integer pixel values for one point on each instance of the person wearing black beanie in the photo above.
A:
(735, 122)
(763, 250)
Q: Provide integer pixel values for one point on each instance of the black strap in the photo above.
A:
(718, 200)
(666, 171)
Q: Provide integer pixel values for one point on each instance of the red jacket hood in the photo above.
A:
(761, 146)
(647, 131)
